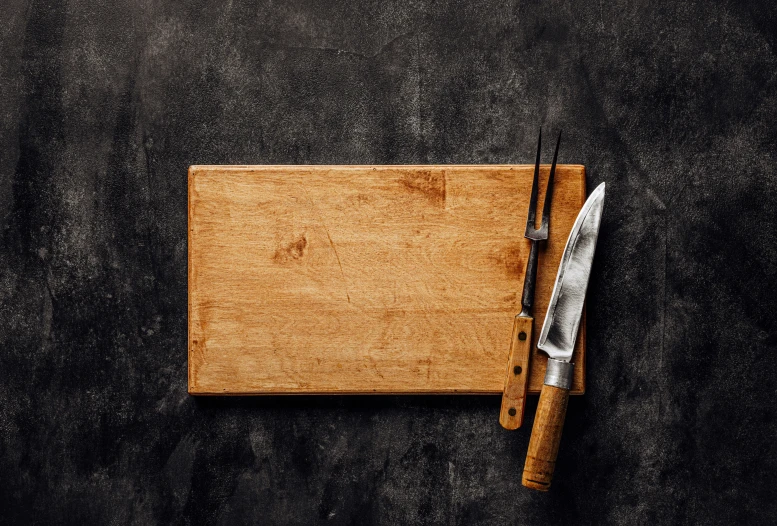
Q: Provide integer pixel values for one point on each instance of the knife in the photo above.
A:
(557, 340)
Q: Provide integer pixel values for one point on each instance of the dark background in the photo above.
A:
(104, 105)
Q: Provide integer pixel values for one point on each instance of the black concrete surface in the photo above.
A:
(104, 105)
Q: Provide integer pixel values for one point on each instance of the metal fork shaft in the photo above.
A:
(530, 280)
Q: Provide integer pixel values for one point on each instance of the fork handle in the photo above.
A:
(517, 379)
(548, 425)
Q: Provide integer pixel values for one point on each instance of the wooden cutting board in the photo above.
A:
(366, 279)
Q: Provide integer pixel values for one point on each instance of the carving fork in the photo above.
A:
(517, 379)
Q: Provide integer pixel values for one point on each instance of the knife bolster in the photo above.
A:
(559, 374)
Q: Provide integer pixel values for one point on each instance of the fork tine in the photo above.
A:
(533, 200)
(549, 188)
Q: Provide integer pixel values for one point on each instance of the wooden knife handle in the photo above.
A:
(517, 379)
(546, 433)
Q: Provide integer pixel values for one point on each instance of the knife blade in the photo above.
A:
(557, 339)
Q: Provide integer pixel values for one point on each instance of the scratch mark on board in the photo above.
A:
(342, 273)
(331, 243)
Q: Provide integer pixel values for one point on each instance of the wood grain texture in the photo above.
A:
(366, 279)
(545, 438)
(516, 378)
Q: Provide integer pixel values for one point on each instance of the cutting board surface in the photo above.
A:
(366, 279)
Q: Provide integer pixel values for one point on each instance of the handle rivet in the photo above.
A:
(517, 369)
(521, 335)
(512, 411)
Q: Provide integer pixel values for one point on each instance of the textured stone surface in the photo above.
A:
(103, 108)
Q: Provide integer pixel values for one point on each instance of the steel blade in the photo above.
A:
(559, 331)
